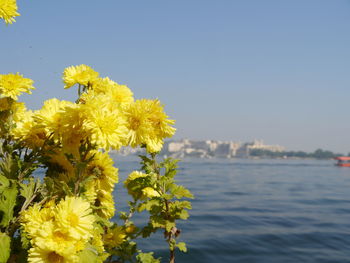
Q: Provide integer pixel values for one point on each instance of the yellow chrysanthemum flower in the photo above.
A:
(121, 94)
(105, 201)
(154, 144)
(45, 254)
(50, 235)
(160, 122)
(81, 74)
(147, 124)
(104, 171)
(90, 193)
(73, 215)
(74, 134)
(117, 93)
(12, 85)
(50, 117)
(137, 122)
(8, 10)
(107, 128)
(31, 220)
(27, 130)
(102, 85)
(114, 237)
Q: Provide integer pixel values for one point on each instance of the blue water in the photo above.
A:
(259, 211)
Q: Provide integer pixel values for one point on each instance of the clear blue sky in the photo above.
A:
(228, 70)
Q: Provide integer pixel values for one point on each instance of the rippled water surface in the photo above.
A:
(259, 211)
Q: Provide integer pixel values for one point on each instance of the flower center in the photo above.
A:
(59, 236)
(134, 124)
(55, 258)
(73, 219)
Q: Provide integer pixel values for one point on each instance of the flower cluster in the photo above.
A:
(59, 233)
(74, 205)
(105, 115)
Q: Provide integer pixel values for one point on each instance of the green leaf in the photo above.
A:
(182, 246)
(8, 167)
(27, 190)
(148, 205)
(4, 183)
(148, 230)
(5, 248)
(179, 191)
(7, 203)
(147, 258)
(184, 215)
(169, 225)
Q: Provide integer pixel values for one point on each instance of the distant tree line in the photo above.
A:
(318, 154)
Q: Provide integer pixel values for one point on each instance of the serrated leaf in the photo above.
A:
(8, 167)
(7, 203)
(5, 248)
(184, 215)
(179, 191)
(147, 205)
(27, 190)
(146, 258)
(4, 182)
(182, 246)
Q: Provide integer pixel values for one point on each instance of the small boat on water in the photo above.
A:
(343, 161)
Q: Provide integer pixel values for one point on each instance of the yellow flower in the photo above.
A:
(102, 85)
(73, 134)
(52, 237)
(12, 85)
(117, 93)
(105, 201)
(8, 10)
(90, 191)
(73, 215)
(148, 124)
(31, 220)
(114, 237)
(137, 122)
(120, 94)
(81, 74)
(51, 115)
(160, 121)
(104, 171)
(45, 254)
(107, 128)
(154, 144)
(26, 129)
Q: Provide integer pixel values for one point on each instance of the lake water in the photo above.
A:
(259, 211)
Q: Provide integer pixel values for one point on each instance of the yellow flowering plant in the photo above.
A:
(57, 178)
